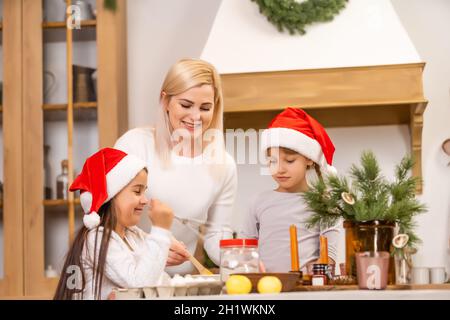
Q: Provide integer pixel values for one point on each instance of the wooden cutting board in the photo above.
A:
(445, 286)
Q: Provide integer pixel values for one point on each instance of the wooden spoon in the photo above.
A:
(201, 269)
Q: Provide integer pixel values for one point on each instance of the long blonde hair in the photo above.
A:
(182, 76)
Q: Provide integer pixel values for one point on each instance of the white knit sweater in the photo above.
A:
(188, 187)
(124, 268)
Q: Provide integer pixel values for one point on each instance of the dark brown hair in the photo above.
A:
(108, 221)
(287, 150)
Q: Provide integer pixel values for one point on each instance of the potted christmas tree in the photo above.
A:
(373, 208)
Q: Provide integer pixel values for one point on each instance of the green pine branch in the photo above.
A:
(375, 198)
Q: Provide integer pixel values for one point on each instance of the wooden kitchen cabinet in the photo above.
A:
(27, 124)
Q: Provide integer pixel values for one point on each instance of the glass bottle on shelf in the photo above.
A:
(62, 181)
(47, 174)
(50, 272)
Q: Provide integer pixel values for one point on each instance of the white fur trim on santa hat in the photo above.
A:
(91, 220)
(296, 141)
(116, 179)
(121, 175)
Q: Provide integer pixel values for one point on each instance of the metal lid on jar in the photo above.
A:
(238, 243)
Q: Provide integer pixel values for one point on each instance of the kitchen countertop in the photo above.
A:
(327, 292)
(345, 292)
(335, 295)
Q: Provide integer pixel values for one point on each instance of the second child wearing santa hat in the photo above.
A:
(110, 250)
(298, 150)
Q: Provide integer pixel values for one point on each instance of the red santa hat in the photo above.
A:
(104, 174)
(296, 130)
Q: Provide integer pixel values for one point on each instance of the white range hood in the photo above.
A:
(365, 33)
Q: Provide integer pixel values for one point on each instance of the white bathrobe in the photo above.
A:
(125, 268)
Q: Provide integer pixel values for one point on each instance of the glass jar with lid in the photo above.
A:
(238, 256)
(320, 276)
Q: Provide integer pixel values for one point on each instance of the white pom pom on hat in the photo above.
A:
(91, 220)
(104, 174)
(331, 170)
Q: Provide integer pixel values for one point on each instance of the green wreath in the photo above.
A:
(295, 16)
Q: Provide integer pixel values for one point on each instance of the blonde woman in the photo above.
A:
(189, 169)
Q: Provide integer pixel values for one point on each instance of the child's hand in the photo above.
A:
(111, 296)
(177, 253)
(160, 214)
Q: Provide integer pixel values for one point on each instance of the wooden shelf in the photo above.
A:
(324, 88)
(58, 202)
(60, 206)
(76, 105)
(361, 115)
(62, 24)
(59, 35)
(55, 31)
(83, 111)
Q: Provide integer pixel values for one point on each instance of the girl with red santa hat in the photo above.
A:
(110, 250)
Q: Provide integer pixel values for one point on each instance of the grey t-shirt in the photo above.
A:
(271, 214)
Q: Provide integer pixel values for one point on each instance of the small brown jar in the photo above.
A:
(319, 277)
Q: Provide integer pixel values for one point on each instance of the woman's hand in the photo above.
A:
(177, 253)
(262, 267)
(160, 214)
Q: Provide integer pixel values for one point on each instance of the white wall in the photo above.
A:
(366, 32)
